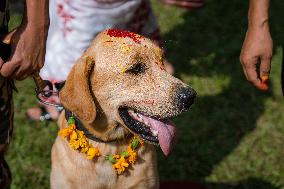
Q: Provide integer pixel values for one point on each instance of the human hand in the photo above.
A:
(28, 52)
(257, 49)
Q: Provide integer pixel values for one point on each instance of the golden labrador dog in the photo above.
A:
(117, 89)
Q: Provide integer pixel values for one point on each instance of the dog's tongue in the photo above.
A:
(166, 133)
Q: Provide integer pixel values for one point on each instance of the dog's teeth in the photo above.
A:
(154, 132)
(140, 116)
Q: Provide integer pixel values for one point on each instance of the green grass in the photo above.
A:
(232, 138)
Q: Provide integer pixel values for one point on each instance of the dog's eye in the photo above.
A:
(137, 68)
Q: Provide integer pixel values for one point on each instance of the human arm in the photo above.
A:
(257, 47)
(28, 42)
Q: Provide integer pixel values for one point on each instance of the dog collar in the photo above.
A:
(81, 127)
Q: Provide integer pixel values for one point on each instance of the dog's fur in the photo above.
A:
(100, 83)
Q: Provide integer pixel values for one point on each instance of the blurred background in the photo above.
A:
(233, 137)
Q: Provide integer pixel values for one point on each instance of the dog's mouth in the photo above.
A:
(156, 131)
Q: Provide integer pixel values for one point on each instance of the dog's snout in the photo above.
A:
(185, 97)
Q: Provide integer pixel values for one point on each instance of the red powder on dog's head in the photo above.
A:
(124, 34)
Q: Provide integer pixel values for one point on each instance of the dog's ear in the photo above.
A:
(76, 94)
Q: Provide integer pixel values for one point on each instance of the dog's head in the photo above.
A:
(120, 85)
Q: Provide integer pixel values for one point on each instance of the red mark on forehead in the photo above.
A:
(121, 33)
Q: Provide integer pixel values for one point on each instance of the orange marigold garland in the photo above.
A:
(121, 161)
(78, 141)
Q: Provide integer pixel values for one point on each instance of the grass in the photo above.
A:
(233, 136)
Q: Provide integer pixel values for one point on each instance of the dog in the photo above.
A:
(117, 89)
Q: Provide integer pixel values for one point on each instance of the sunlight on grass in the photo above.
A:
(260, 152)
(207, 85)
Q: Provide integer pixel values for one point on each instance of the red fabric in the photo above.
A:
(181, 185)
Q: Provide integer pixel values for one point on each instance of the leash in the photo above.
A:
(44, 88)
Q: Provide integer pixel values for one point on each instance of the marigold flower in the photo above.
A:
(78, 141)
(132, 155)
(81, 134)
(64, 132)
(74, 144)
(120, 165)
(83, 142)
(93, 152)
(72, 127)
(264, 78)
(116, 156)
(129, 148)
(84, 149)
(73, 135)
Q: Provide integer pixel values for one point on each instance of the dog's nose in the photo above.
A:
(185, 97)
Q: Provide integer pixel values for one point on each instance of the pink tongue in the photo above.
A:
(166, 135)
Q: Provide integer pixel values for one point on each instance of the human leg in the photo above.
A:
(6, 128)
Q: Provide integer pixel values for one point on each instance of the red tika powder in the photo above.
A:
(121, 33)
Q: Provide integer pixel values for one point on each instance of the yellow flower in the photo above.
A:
(84, 149)
(79, 141)
(81, 134)
(64, 132)
(120, 165)
(83, 141)
(73, 135)
(72, 127)
(93, 152)
(132, 155)
(116, 156)
(74, 144)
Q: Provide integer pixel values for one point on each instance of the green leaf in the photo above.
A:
(111, 159)
(134, 143)
(124, 154)
(71, 120)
